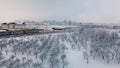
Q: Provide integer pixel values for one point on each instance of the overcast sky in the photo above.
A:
(98, 11)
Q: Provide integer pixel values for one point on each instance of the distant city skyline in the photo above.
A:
(96, 11)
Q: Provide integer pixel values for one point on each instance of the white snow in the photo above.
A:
(76, 60)
(75, 56)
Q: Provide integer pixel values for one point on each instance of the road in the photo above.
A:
(39, 33)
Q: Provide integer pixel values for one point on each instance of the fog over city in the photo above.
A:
(96, 11)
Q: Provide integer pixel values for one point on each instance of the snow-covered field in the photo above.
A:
(83, 48)
(76, 60)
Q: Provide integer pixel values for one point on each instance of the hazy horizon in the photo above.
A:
(95, 11)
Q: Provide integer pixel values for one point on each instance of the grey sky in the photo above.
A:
(101, 11)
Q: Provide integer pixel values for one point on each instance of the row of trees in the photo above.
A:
(103, 43)
(35, 51)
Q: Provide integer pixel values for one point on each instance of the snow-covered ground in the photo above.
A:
(84, 48)
(76, 60)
